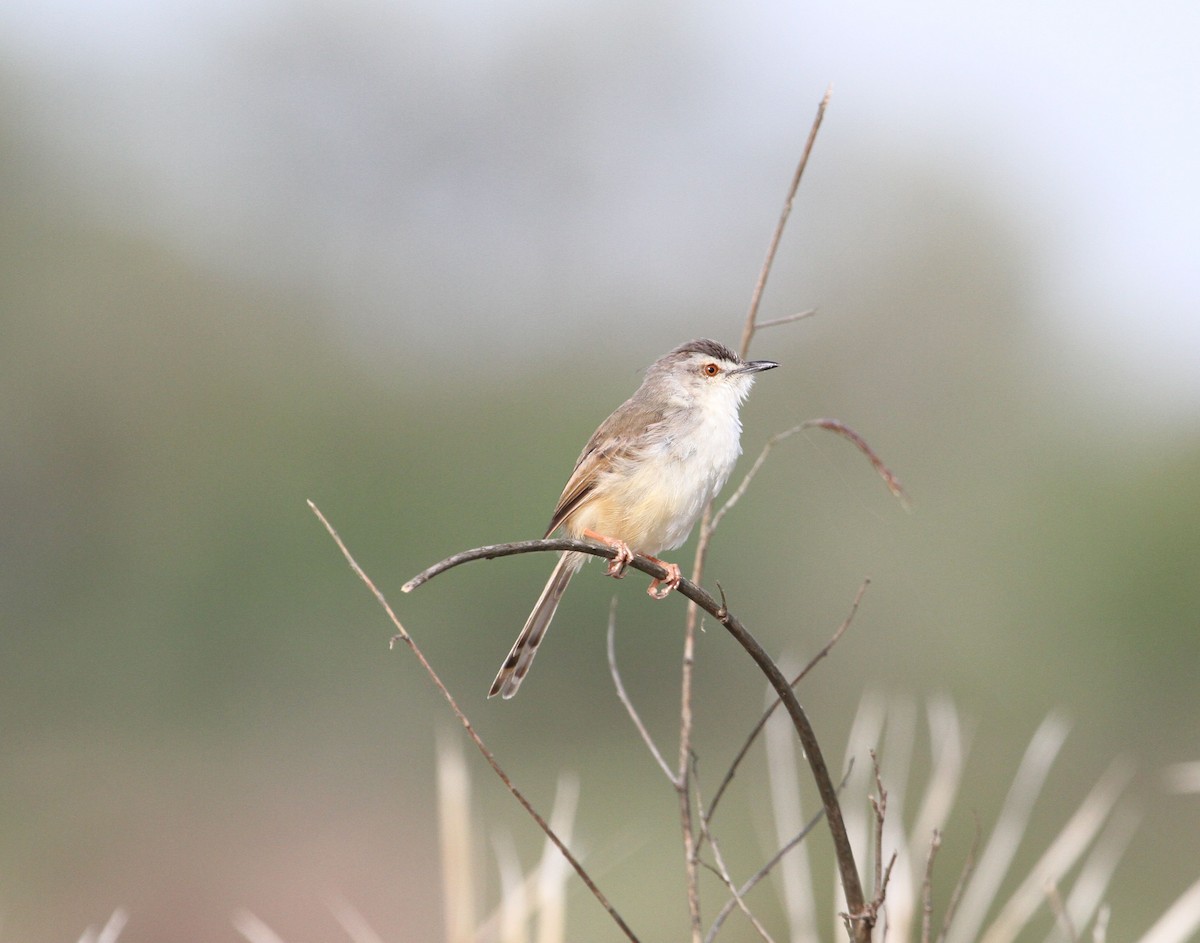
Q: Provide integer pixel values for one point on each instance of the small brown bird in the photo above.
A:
(645, 476)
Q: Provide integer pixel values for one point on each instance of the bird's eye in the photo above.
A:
(710, 369)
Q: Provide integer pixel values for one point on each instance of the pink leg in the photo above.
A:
(670, 583)
(616, 566)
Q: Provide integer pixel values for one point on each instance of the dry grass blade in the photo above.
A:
(353, 922)
(1062, 854)
(1087, 894)
(1180, 922)
(110, 932)
(794, 872)
(948, 743)
(552, 872)
(1014, 817)
(254, 929)
(1182, 777)
(455, 834)
(513, 910)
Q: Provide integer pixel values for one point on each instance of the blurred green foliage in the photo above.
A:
(198, 705)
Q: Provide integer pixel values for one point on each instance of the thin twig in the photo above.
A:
(745, 482)
(1059, 909)
(769, 866)
(683, 789)
(879, 805)
(403, 635)
(630, 709)
(869, 915)
(964, 878)
(832, 425)
(881, 897)
(705, 535)
(762, 721)
(927, 886)
(721, 870)
(888, 476)
(776, 322)
(723, 873)
(844, 854)
(756, 298)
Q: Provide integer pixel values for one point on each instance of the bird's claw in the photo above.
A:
(616, 566)
(660, 589)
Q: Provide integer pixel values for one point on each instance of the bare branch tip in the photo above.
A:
(889, 477)
(789, 319)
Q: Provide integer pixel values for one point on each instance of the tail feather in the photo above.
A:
(516, 665)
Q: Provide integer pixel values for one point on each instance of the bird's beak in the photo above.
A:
(756, 366)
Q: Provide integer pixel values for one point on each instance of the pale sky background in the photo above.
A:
(1083, 119)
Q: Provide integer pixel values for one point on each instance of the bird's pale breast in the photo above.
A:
(653, 499)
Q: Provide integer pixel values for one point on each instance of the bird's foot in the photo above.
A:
(660, 589)
(616, 566)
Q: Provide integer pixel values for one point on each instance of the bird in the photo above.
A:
(645, 476)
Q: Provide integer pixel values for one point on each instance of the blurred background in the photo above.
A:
(402, 258)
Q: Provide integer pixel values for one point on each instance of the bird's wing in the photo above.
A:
(605, 448)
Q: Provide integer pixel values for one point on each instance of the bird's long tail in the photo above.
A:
(516, 665)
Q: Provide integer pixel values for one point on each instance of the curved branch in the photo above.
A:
(839, 427)
(528, 546)
(851, 885)
(762, 721)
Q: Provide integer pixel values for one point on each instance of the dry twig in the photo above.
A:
(762, 721)
(402, 635)
(756, 298)
(964, 878)
(1059, 909)
(889, 478)
(869, 915)
(720, 869)
(769, 866)
(789, 319)
(851, 884)
(927, 886)
(879, 805)
(624, 698)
